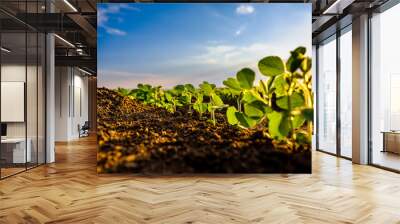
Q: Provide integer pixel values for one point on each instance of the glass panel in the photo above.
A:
(31, 98)
(385, 84)
(346, 94)
(32, 87)
(41, 98)
(327, 96)
(13, 88)
(22, 88)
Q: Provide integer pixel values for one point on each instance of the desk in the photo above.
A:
(18, 149)
(391, 141)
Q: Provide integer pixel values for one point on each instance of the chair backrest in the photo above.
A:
(86, 124)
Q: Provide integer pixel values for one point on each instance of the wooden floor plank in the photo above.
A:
(70, 191)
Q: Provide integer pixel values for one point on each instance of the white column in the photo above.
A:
(360, 90)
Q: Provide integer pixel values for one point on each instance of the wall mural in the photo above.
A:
(204, 88)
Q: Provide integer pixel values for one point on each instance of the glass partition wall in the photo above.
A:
(22, 98)
(326, 100)
(385, 89)
(345, 92)
(334, 94)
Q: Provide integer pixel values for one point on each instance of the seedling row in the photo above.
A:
(282, 103)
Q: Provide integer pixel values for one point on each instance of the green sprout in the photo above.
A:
(282, 102)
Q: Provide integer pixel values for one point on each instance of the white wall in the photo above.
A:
(16, 72)
(71, 102)
(62, 82)
(33, 127)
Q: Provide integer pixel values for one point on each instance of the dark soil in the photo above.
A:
(138, 138)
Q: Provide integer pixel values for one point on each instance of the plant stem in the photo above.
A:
(213, 116)
(308, 100)
(291, 133)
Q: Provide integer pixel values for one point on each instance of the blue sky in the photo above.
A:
(169, 44)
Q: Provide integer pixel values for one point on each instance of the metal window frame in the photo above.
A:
(339, 32)
(44, 73)
(381, 9)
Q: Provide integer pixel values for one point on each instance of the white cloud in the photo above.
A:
(218, 62)
(114, 79)
(244, 9)
(229, 55)
(214, 63)
(114, 31)
(103, 16)
(240, 30)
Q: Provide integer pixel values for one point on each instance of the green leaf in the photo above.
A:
(256, 109)
(146, 87)
(249, 97)
(274, 121)
(284, 126)
(262, 105)
(308, 114)
(245, 121)
(303, 138)
(199, 98)
(296, 59)
(246, 77)
(252, 95)
(179, 88)
(168, 96)
(185, 99)
(271, 66)
(232, 83)
(203, 107)
(190, 88)
(216, 100)
(293, 64)
(296, 100)
(298, 120)
(300, 50)
(207, 88)
(306, 64)
(263, 87)
(253, 110)
(280, 85)
(200, 107)
(230, 114)
(123, 91)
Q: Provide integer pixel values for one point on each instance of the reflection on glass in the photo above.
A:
(385, 86)
(327, 96)
(31, 99)
(14, 153)
(41, 98)
(22, 90)
(346, 94)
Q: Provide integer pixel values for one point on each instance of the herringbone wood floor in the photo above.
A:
(70, 191)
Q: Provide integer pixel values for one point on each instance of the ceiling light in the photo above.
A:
(5, 50)
(326, 11)
(65, 41)
(86, 72)
(70, 5)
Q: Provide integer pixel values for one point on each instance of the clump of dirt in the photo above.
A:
(138, 138)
